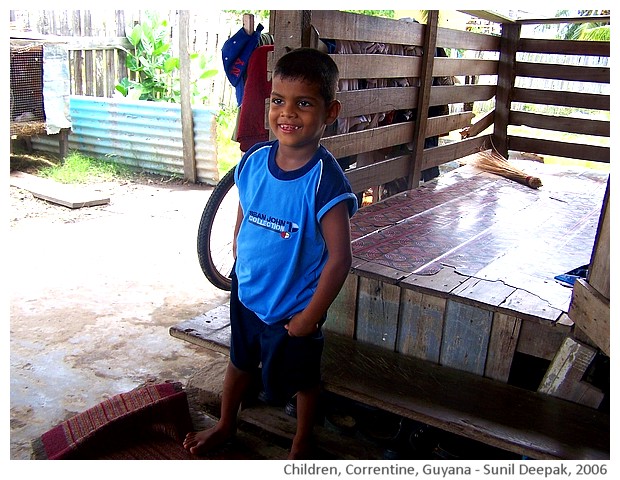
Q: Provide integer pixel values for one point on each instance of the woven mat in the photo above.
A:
(148, 423)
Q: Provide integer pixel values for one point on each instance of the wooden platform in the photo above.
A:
(461, 271)
(513, 419)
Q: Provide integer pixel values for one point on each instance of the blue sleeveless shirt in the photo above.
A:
(280, 249)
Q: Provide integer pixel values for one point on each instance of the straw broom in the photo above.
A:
(493, 162)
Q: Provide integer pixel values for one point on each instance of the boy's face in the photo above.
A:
(298, 113)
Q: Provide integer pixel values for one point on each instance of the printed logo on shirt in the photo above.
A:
(284, 227)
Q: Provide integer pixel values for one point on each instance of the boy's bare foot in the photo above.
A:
(301, 450)
(206, 440)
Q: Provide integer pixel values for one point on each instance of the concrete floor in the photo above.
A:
(91, 302)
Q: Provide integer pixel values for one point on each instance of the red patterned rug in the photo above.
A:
(148, 423)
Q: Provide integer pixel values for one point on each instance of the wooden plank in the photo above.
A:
(187, 118)
(444, 124)
(527, 304)
(573, 73)
(453, 67)
(329, 442)
(481, 291)
(210, 330)
(565, 47)
(424, 95)
(420, 325)
(362, 178)
(582, 126)
(502, 346)
(446, 94)
(362, 28)
(377, 313)
(367, 65)
(599, 273)
(555, 20)
(342, 312)
(488, 15)
(591, 313)
(290, 25)
(593, 153)
(444, 281)
(68, 195)
(479, 126)
(373, 100)
(564, 377)
(501, 415)
(451, 38)
(465, 337)
(455, 150)
(369, 140)
(561, 98)
(505, 86)
(541, 340)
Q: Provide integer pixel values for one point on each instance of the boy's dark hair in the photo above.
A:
(310, 65)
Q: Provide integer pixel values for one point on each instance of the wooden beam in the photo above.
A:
(505, 85)
(564, 376)
(590, 311)
(593, 101)
(488, 15)
(565, 47)
(583, 126)
(424, 95)
(599, 273)
(572, 73)
(478, 127)
(554, 20)
(593, 153)
(187, 118)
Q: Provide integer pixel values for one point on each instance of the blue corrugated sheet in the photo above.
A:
(143, 135)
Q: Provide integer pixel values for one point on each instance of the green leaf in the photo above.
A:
(171, 63)
(135, 35)
(161, 49)
(208, 74)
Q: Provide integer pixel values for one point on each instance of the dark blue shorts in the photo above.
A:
(287, 364)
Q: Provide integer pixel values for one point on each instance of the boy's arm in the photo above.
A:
(337, 233)
(237, 226)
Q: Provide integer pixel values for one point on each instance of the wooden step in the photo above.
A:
(517, 420)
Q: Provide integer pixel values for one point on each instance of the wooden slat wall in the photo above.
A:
(385, 145)
(579, 149)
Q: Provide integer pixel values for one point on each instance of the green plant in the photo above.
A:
(150, 60)
(157, 69)
(78, 168)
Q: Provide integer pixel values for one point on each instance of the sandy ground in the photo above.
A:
(92, 293)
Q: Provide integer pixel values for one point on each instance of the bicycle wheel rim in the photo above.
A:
(215, 233)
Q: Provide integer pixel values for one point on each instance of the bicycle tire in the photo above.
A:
(215, 232)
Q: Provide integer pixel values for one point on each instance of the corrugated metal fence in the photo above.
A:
(142, 135)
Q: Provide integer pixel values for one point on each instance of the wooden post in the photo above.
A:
(187, 119)
(248, 23)
(505, 82)
(293, 31)
(424, 95)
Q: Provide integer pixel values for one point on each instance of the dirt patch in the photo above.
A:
(93, 293)
(23, 205)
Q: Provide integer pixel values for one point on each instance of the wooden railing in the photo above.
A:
(386, 152)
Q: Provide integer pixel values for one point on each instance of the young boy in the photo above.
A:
(292, 249)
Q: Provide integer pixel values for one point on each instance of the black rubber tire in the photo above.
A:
(215, 232)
